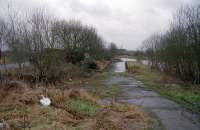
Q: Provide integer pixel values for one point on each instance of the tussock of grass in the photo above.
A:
(122, 117)
(133, 67)
(112, 91)
(82, 107)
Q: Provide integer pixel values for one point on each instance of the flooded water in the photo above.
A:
(119, 67)
(145, 62)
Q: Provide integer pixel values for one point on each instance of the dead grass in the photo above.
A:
(133, 67)
(20, 109)
(122, 117)
(102, 65)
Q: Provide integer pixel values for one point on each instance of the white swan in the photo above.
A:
(45, 101)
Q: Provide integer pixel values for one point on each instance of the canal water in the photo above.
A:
(119, 67)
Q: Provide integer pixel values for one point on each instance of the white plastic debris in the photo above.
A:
(1, 125)
(45, 101)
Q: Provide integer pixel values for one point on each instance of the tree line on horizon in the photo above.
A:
(48, 44)
(177, 50)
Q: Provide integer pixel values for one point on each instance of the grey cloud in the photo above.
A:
(126, 22)
(96, 9)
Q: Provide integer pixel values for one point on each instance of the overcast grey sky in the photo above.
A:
(125, 22)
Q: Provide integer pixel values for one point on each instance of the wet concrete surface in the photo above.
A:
(171, 115)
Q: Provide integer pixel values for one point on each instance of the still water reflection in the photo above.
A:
(119, 67)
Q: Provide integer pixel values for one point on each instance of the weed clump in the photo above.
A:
(82, 107)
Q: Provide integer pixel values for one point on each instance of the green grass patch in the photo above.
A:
(113, 90)
(97, 85)
(186, 97)
(83, 107)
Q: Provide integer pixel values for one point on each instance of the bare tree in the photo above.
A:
(177, 51)
(2, 42)
(49, 44)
